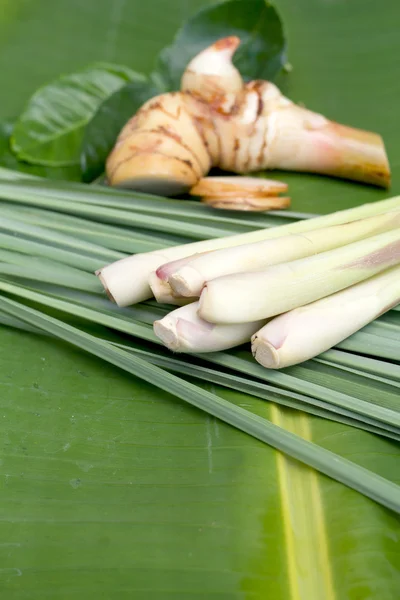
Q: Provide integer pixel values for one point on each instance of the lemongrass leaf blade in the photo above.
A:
(52, 237)
(33, 248)
(236, 383)
(297, 384)
(290, 382)
(265, 392)
(362, 364)
(375, 487)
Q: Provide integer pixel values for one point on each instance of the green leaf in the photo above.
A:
(51, 129)
(8, 159)
(261, 55)
(103, 129)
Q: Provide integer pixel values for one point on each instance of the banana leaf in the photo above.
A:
(113, 489)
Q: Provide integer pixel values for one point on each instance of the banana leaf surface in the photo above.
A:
(113, 489)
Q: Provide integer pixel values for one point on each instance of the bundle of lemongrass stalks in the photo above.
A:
(296, 290)
(53, 236)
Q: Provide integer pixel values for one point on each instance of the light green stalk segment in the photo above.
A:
(127, 280)
(18, 176)
(305, 332)
(372, 345)
(108, 236)
(362, 364)
(380, 338)
(385, 330)
(11, 321)
(47, 271)
(245, 364)
(360, 373)
(247, 297)
(32, 248)
(120, 323)
(106, 214)
(261, 390)
(54, 238)
(188, 279)
(356, 477)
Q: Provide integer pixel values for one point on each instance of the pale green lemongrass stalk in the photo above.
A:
(262, 294)
(126, 280)
(188, 277)
(183, 331)
(305, 332)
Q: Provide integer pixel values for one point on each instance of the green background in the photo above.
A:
(111, 489)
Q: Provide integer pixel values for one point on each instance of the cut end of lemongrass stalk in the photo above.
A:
(238, 186)
(126, 281)
(163, 292)
(264, 353)
(187, 282)
(166, 331)
(247, 203)
(103, 282)
(183, 331)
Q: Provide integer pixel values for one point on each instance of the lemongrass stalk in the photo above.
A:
(164, 294)
(247, 297)
(305, 332)
(188, 277)
(184, 331)
(126, 281)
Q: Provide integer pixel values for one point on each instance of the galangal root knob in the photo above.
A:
(217, 120)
